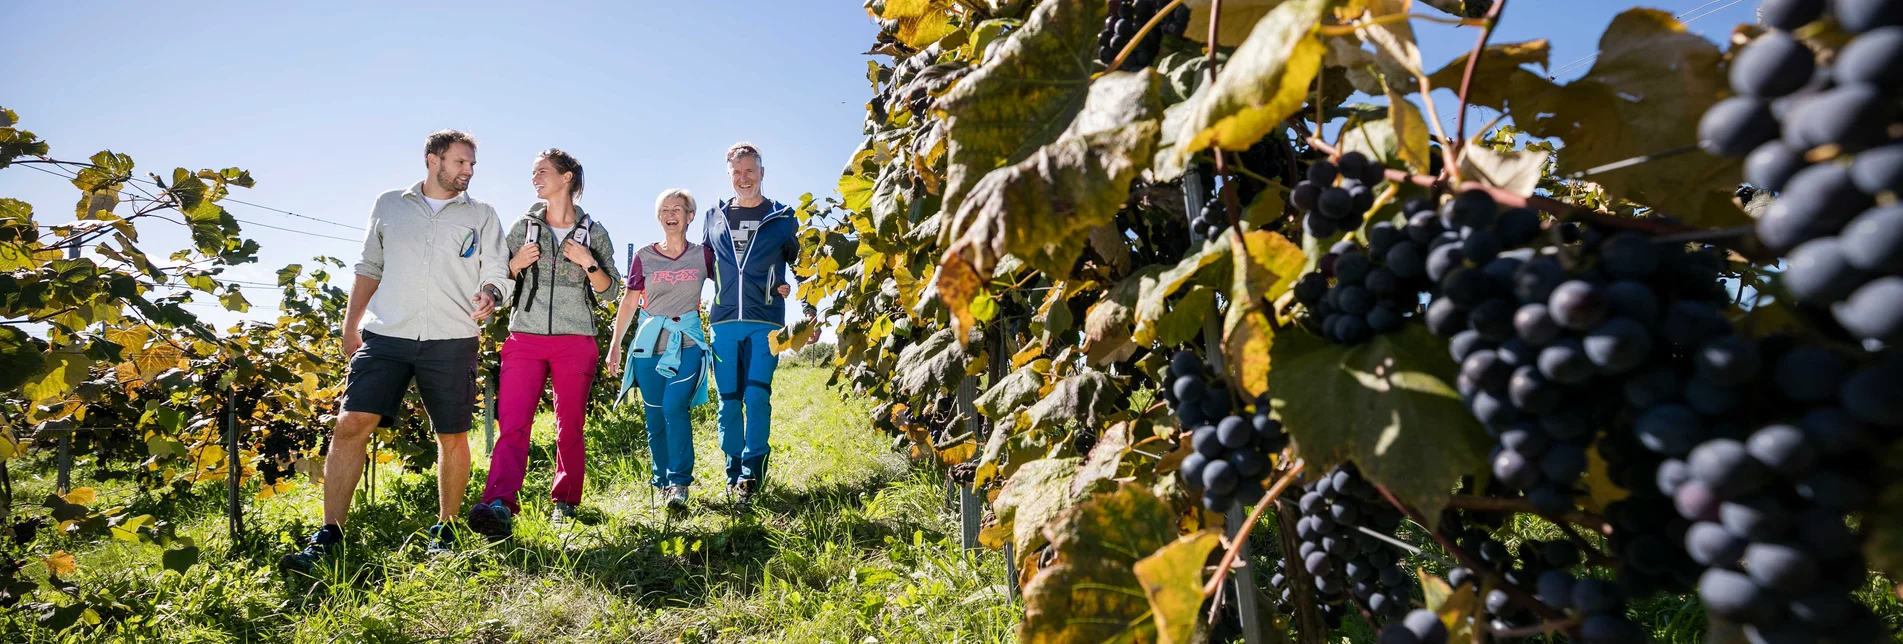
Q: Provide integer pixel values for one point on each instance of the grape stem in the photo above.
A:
(1473, 62)
(1560, 209)
(1541, 628)
(1491, 504)
(1141, 32)
(1468, 561)
(1242, 535)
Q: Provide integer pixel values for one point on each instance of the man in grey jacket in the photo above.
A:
(433, 267)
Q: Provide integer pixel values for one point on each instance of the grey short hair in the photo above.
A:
(743, 150)
(670, 193)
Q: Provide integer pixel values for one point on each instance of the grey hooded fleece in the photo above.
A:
(552, 296)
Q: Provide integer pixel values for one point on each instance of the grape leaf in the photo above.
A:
(921, 22)
(1238, 17)
(64, 370)
(1210, 266)
(1186, 317)
(1010, 392)
(1646, 92)
(1501, 75)
(1108, 322)
(1455, 606)
(1390, 410)
(1516, 171)
(1032, 497)
(1090, 591)
(1022, 97)
(1104, 458)
(1172, 578)
(1264, 82)
(21, 357)
(936, 362)
(1083, 398)
(1039, 208)
(180, 560)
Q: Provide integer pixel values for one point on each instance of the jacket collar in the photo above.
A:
(418, 191)
(539, 213)
(775, 210)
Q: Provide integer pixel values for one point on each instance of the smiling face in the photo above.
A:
(746, 174)
(549, 183)
(454, 168)
(674, 216)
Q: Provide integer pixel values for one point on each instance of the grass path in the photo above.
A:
(848, 544)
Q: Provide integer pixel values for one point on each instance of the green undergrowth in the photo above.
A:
(847, 544)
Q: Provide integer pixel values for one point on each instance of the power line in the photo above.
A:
(247, 203)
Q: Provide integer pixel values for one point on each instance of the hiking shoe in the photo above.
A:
(325, 542)
(492, 520)
(441, 539)
(563, 513)
(743, 492)
(675, 497)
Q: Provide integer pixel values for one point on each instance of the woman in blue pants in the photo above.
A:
(668, 358)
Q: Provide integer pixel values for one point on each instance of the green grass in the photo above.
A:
(847, 544)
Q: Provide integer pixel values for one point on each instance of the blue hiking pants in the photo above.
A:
(743, 370)
(669, 403)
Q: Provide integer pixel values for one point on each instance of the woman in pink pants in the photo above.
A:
(564, 268)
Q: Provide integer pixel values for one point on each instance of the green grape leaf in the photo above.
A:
(936, 362)
(1390, 409)
(1108, 322)
(1084, 398)
(1011, 392)
(21, 357)
(1040, 209)
(1172, 578)
(1032, 497)
(1263, 82)
(1090, 591)
(1186, 317)
(64, 370)
(1022, 97)
(1209, 266)
(1646, 92)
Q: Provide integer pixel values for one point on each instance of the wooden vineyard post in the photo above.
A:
(1241, 584)
(234, 512)
(65, 483)
(971, 510)
(1002, 348)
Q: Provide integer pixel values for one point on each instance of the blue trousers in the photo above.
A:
(743, 370)
(669, 403)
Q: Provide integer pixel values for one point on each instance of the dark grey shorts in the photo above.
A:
(444, 370)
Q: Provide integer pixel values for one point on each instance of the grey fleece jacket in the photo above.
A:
(552, 296)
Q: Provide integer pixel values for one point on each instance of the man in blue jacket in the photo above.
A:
(753, 240)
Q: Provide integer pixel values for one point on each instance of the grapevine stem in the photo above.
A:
(1467, 561)
(1141, 32)
(1242, 536)
(1410, 548)
(1492, 504)
(1473, 62)
(1563, 210)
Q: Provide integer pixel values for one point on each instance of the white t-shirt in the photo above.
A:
(436, 205)
(561, 233)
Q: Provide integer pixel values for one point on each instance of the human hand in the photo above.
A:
(574, 252)
(485, 305)
(785, 290)
(614, 363)
(524, 257)
(353, 340)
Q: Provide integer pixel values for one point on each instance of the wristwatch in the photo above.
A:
(594, 268)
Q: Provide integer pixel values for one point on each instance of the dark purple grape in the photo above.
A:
(1790, 14)
(1852, 117)
(1220, 477)
(1864, 15)
(1729, 361)
(1671, 430)
(1878, 170)
(1782, 448)
(1318, 226)
(1711, 545)
(1874, 240)
(1322, 173)
(1671, 474)
(1304, 196)
(1727, 468)
(1771, 165)
(1875, 58)
(1870, 393)
(1444, 318)
(1535, 325)
(1234, 432)
(1192, 468)
(1773, 65)
(1565, 362)
(1517, 226)
(1423, 226)
(1577, 305)
(1780, 566)
(1810, 374)
(1818, 201)
(1206, 442)
(1536, 279)
(1619, 345)
(1818, 271)
(1874, 311)
(1736, 125)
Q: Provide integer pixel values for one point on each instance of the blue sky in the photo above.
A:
(327, 105)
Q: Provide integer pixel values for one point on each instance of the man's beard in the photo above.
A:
(451, 181)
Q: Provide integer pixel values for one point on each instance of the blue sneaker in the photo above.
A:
(327, 541)
(442, 539)
(492, 520)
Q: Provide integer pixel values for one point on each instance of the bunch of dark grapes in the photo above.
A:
(1268, 159)
(1213, 219)
(1339, 509)
(1421, 626)
(1232, 457)
(1543, 570)
(1129, 16)
(1336, 196)
(1837, 216)
(1368, 294)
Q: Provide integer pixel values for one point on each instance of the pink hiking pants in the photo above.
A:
(528, 362)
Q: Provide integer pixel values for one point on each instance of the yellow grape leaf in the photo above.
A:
(1265, 81)
(61, 563)
(128, 530)
(81, 496)
(1172, 579)
(1453, 605)
(1600, 490)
